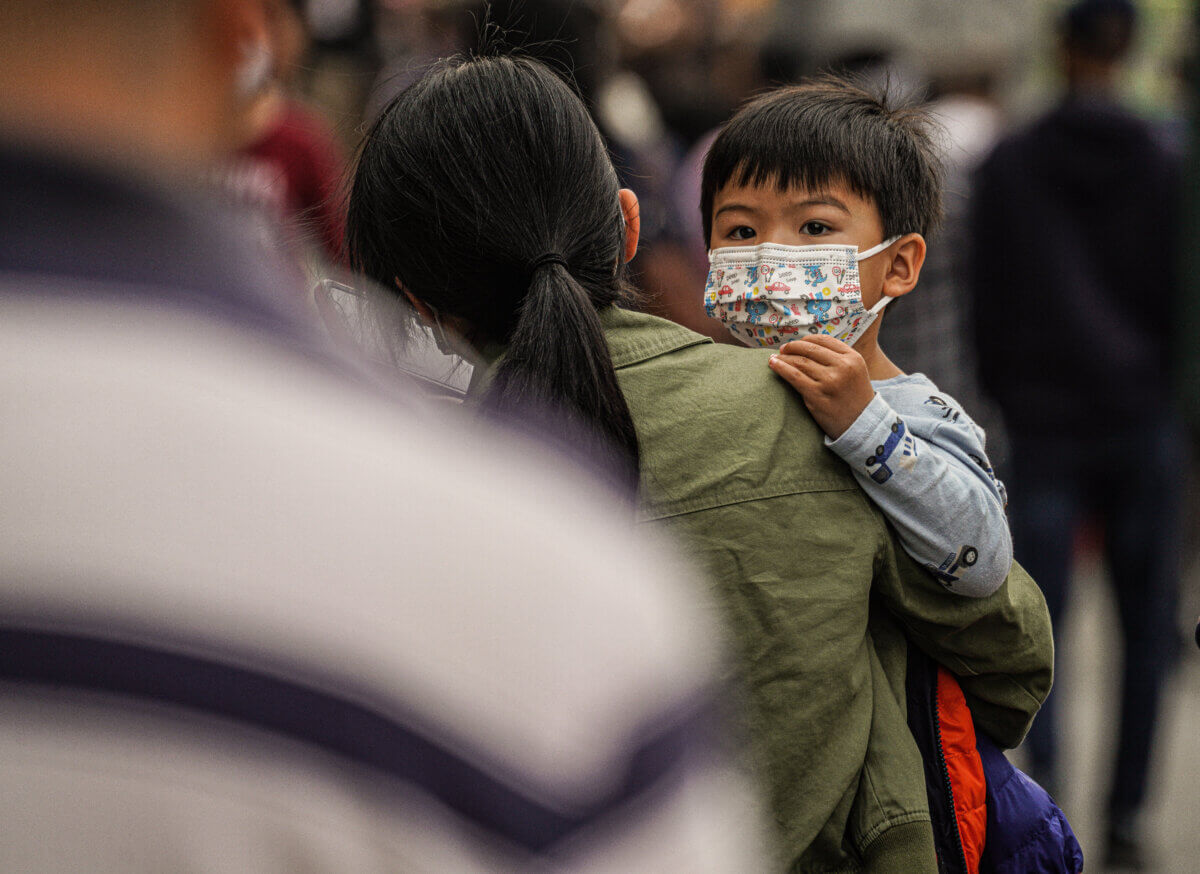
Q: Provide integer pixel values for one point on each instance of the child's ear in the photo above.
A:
(903, 271)
(633, 221)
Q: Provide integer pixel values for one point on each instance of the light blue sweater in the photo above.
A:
(921, 459)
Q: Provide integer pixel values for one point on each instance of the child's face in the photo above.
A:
(746, 215)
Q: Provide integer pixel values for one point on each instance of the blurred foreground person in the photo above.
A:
(1072, 334)
(254, 617)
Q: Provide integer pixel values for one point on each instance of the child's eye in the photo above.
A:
(814, 228)
(742, 232)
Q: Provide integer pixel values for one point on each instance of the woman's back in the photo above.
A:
(819, 601)
(735, 468)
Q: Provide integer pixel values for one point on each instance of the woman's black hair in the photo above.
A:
(467, 186)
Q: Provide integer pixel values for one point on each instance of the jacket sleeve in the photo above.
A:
(926, 469)
(1000, 647)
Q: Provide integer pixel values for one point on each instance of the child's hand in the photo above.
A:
(830, 376)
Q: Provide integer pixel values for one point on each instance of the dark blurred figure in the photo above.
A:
(696, 63)
(572, 36)
(930, 332)
(343, 60)
(240, 629)
(1075, 238)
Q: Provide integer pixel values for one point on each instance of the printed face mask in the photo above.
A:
(769, 293)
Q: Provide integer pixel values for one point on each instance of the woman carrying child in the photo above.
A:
(485, 196)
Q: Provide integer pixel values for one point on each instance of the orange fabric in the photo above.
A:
(965, 767)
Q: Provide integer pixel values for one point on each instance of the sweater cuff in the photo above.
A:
(870, 441)
(873, 423)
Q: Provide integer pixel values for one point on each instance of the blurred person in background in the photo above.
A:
(685, 68)
(256, 615)
(344, 59)
(931, 332)
(291, 169)
(1075, 245)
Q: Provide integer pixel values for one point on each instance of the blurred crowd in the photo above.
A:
(1056, 303)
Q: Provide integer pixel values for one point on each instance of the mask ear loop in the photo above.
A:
(880, 304)
(875, 250)
(255, 72)
(439, 334)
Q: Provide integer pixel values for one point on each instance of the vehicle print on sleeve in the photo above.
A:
(877, 464)
(945, 572)
(949, 413)
(982, 464)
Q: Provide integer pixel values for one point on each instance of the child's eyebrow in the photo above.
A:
(820, 200)
(732, 206)
(815, 200)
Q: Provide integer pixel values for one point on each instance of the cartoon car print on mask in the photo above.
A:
(813, 274)
(944, 572)
(882, 473)
(726, 290)
(778, 286)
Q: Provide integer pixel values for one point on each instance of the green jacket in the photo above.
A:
(819, 598)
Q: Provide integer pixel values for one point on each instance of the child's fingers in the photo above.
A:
(814, 371)
(827, 342)
(814, 351)
(794, 376)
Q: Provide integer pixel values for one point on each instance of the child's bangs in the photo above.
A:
(783, 151)
(780, 170)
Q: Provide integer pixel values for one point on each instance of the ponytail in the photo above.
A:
(557, 358)
(486, 191)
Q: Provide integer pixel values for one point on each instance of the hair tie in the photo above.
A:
(548, 258)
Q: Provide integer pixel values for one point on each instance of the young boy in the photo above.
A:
(817, 199)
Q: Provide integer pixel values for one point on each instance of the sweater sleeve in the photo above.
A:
(922, 461)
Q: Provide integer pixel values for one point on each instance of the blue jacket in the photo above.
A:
(1020, 829)
(1027, 832)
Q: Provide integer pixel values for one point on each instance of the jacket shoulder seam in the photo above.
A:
(666, 509)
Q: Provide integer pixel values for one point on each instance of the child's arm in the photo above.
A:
(921, 460)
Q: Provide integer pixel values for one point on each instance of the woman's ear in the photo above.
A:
(904, 269)
(633, 221)
(422, 309)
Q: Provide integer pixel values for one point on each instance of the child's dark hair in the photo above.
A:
(829, 130)
(486, 191)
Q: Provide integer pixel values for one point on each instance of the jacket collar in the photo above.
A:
(636, 337)
(632, 338)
